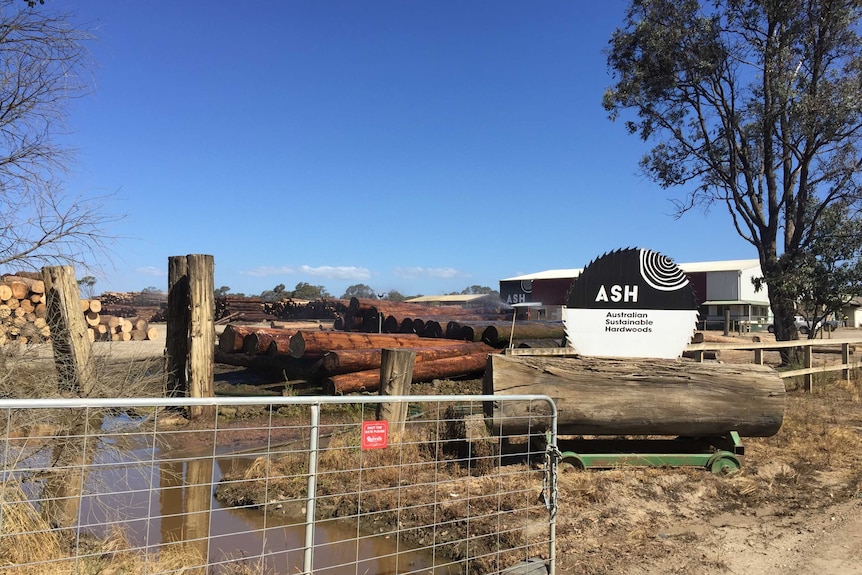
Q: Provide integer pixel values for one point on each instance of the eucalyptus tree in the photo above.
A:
(753, 105)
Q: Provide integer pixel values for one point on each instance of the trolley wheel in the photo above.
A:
(724, 465)
(570, 464)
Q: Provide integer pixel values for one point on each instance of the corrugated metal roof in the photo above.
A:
(735, 302)
(455, 298)
(694, 267)
(547, 275)
(722, 266)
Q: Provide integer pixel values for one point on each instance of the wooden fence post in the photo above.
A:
(191, 328)
(68, 329)
(396, 375)
(178, 319)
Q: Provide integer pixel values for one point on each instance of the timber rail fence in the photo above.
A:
(306, 484)
(844, 346)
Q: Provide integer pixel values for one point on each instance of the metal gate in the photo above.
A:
(279, 485)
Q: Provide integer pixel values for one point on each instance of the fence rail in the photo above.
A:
(281, 485)
(845, 345)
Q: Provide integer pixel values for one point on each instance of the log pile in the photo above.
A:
(452, 322)
(236, 308)
(290, 309)
(114, 328)
(23, 315)
(22, 309)
(345, 362)
(149, 305)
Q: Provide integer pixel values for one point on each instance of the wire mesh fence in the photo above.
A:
(303, 485)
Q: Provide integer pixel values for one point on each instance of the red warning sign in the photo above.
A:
(375, 434)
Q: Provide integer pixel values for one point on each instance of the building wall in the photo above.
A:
(726, 285)
(723, 285)
(746, 287)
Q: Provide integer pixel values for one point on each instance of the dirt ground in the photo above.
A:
(794, 508)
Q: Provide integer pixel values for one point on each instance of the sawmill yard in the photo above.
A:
(795, 506)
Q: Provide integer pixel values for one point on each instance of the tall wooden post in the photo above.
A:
(191, 312)
(178, 321)
(396, 375)
(68, 329)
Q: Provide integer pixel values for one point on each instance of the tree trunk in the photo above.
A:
(351, 360)
(422, 371)
(602, 396)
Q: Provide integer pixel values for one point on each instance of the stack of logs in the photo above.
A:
(101, 327)
(22, 309)
(345, 362)
(23, 315)
(451, 322)
(234, 308)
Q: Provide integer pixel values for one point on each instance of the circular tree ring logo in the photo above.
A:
(631, 303)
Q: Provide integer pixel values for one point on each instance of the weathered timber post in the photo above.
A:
(396, 375)
(178, 321)
(68, 329)
(71, 454)
(191, 311)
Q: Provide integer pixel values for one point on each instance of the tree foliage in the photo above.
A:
(274, 294)
(86, 285)
(42, 67)
(395, 295)
(752, 105)
(305, 290)
(360, 291)
(832, 273)
(480, 290)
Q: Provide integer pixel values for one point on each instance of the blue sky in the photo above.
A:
(416, 146)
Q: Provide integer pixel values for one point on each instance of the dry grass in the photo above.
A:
(420, 490)
(611, 521)
(29, 546)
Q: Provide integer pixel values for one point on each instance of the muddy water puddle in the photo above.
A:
(159, 499)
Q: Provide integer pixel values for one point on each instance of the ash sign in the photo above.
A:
(631, 303)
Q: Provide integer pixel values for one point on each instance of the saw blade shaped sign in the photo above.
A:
(631, 303)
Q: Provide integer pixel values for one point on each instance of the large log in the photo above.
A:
(422, 371)
(351, 360)
(271, 341)
(626, 396)
(498, 334)
(231, 338)
(319, 343)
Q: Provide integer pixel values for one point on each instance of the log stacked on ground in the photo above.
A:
(450, 322)
(382, 316)
(344, 362)
(23, 315)
(242, 308)
(22, 310)
(149, 305)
